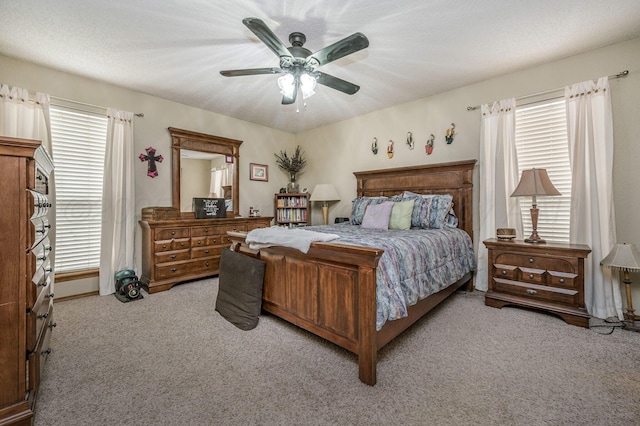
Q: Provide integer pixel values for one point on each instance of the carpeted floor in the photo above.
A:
(170, 359)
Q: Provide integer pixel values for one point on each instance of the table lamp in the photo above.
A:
(324, 192)
(533, 183)
(626, 258)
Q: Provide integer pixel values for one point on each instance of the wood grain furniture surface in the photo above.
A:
(549, 277)
(331, 290)
(26, 289)
(292, 209)
(176, 249)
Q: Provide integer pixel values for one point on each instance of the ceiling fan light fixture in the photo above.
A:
(307, 84)
(286, 83)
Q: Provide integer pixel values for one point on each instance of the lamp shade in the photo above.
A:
(535, 182)
(623, 257)
(324, 192)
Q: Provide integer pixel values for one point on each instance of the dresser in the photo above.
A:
(548, 277)
(26, 259)
(176, 249)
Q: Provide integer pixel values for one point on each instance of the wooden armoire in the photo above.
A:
(26, 259)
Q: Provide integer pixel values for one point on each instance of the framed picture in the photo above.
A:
(228, 158)
(259, 172)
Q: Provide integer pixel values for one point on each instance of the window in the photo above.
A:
(541, 142)
(79, 140)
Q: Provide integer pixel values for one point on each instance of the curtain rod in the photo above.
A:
(619, 75)
(137, 114)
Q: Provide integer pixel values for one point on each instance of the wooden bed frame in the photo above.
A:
(331, 290)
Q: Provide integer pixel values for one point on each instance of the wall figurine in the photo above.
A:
(374, 146)
(410, 140)
(429, 145)
(450, 133)
(390, 149)
(151, 158)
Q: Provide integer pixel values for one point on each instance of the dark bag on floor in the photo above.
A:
(127, 286)
(240, 289)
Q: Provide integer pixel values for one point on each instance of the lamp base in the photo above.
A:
(631, 325)
(535, 238)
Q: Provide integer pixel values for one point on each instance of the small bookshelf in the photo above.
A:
(292, 209)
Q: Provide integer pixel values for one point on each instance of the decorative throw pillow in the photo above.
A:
(359, 205)
(377, 215)
(401, 215)
(240, 284)
(429, 211)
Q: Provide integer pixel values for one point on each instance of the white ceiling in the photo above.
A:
(174, 49)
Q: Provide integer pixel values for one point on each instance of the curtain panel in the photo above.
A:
(498, 178)
(590, 134)
(117, 248)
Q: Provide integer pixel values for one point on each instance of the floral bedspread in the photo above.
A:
(415, 263)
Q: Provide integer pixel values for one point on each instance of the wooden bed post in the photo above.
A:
(368, 351)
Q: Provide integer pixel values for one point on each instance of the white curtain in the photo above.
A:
(30, 119)
(117, 249)
(218, 180)
(498, 178)
(590, 133)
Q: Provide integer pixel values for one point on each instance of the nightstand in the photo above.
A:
(548, 277)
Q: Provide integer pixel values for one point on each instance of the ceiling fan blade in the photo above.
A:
(260, 29)
(254, 71)
(344, 47)
(289, 101)
(336, 83)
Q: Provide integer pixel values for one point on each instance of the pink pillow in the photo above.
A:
(377, 215)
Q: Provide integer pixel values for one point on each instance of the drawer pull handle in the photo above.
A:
(206, 263)
(532, 291)
(504, 272)
(164, 246)
(199, 242)
(530, 276)
(42, 258)
(52, 325)
(531, 260)
(42, 284)
(47, 352)
(561, 280)
(206, 251)
(43, 316)
(173, 232)
(173, 269)
(49, 296)
(173, 256)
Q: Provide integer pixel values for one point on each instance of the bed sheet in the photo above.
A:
(415, 264)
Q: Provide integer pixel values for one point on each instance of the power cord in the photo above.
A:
(609, 323)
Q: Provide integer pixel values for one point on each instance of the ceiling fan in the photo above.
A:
(298, 65)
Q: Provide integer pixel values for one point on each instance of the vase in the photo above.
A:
(292, 186)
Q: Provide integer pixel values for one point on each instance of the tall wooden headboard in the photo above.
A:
(453, 178)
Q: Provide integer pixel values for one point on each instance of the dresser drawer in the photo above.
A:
(182, 268)
(206, 251)
(38, 357)
(170, 245)
(171, 233)
(204, 231)
(536, 291)
(172, 256)
(36, 319)
(206, 241)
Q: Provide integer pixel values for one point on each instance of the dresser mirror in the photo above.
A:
(204, 166)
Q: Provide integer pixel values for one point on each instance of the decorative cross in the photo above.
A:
(151, 157)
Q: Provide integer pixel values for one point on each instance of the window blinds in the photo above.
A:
(541, 142)
(78, 140)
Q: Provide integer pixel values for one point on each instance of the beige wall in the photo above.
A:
(258, 147)
(335, 151)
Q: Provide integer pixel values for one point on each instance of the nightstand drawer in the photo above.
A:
(505, 271)
(536, 291)
(531, 275)
(562, 279)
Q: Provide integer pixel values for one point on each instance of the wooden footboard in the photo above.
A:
(330, 291)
